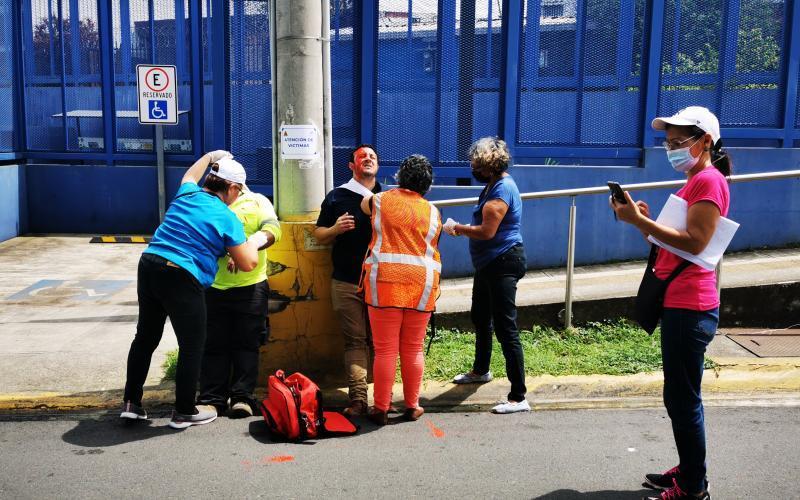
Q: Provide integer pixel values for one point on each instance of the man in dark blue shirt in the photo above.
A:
(342, 224)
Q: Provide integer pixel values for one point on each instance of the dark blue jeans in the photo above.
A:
(684, 337)
(494, 294)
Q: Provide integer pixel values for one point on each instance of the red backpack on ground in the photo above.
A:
(293, 409)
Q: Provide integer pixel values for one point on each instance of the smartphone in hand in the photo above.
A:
(617, 192)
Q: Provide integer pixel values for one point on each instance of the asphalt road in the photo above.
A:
(587, 454)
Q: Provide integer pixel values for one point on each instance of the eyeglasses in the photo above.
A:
(669, 145)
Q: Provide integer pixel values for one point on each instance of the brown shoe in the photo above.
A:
(413, 414)
(356, 409)
(378, 417)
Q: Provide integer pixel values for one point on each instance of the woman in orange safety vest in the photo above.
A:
(400, 281)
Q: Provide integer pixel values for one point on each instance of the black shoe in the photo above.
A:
(662, 481)
(132, 411)
(676, 493)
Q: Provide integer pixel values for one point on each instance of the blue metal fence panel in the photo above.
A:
(250, 88)
(345, 31)
(406, 92)
(42, 82)
(7, 76)
(726, 56)
(581, 79)
(578, 82)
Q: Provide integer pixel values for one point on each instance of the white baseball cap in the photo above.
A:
(693, 115)
(230, 170)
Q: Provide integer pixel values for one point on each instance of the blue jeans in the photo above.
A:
(494, 293)
(684, 337)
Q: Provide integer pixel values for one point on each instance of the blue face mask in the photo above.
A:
(682, 159)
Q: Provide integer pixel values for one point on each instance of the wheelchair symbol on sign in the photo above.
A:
(157, 110)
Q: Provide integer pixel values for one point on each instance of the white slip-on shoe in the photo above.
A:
(471, 378)
(512, 407)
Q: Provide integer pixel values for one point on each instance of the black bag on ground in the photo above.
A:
(650, 298)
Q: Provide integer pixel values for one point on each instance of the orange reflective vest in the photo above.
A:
(402, 266)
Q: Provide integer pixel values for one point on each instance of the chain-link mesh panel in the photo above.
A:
(141, 38)
(471, 62)
(82, 78)
(173, 35)
(725, 56)
(406, 88)
(7, 77)
(250, 88)
(207, 41)
(44, 121)
(581, 73)
(690, 55)
(344, 85)
(133, 44)
(751, 77)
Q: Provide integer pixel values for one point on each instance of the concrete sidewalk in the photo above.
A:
(68, 313)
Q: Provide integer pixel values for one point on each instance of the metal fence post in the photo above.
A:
(570, 265)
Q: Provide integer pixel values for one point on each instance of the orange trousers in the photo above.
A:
(397, 331)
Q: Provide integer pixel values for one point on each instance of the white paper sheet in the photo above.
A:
(449, 225)
(674, 215)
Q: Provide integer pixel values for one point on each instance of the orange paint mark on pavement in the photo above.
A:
(247, 464)
(435, 431)
(278, 459)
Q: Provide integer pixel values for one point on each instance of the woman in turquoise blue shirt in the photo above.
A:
(174, 271)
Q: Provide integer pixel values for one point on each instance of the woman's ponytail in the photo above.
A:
(721, 159)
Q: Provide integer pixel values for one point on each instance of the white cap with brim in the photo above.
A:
(230, 170)
(692, 116)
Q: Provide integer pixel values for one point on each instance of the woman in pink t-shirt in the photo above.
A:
(691, 303)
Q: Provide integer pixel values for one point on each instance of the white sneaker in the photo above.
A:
(471, 378)
(512, 407)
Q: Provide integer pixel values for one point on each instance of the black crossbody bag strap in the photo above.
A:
(675, 272)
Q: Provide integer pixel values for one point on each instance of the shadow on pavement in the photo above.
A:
(260, 432)
(112, 431)
(455, 395)
(598, 495)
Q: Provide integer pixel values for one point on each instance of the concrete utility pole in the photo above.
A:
(298, 140)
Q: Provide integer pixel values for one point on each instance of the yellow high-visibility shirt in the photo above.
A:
(257, 214)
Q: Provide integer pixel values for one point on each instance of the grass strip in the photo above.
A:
(601, 348)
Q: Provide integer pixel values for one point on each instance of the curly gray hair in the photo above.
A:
(491, 152)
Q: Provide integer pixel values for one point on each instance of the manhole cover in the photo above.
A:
(769, 343)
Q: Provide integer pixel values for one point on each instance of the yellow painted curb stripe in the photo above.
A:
(120, 239)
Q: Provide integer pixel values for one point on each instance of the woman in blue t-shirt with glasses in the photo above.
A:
(499, 258)
(174, 271)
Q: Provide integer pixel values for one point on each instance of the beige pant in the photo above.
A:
(352, 313)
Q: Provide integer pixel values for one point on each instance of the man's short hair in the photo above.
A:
(353, 152)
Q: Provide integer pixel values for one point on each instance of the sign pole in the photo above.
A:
(156, 86)
(162, 197)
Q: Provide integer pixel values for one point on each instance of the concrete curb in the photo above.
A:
(735, 382)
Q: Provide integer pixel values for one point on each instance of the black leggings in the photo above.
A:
(165, 290)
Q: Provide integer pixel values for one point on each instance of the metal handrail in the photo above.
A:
(561, 193)
(574, 193)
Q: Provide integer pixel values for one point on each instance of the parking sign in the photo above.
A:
(158, 96)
